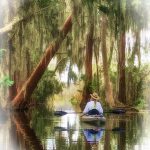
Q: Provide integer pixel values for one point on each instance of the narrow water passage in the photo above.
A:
(37, 131)
(26, 29)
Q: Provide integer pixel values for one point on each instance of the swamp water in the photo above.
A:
(40, 129)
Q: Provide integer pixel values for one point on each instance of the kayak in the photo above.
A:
(92, 118)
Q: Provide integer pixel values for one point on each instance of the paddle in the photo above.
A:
(114, 111)
(61, 129)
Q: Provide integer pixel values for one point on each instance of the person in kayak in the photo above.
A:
(93, 107)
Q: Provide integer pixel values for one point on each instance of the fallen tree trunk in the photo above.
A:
(22, 98)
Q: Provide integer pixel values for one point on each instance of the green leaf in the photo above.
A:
(104, 9)
(6, 81)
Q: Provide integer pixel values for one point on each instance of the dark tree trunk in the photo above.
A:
(88, 65)
(121, 69)
(23, 96)
(12, 89)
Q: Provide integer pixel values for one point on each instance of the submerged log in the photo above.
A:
(22, 98)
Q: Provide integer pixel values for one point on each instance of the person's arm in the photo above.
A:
(100, 109)
(85, 111)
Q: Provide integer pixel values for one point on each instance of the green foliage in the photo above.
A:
(95, 85)
(47, 86)
(104, 9)
(88, 3)
(72, 75)
(74, 101)
(140, 103)
(6, 81)
(44, 3)
(98, 86)
(124, 15)
(35, 57)
(43, 127)
(135, 84)
(113, 76)
(82, 77)
(88, 84)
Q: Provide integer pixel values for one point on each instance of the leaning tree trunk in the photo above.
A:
(108, 88)
(24, 94)
(121, 69)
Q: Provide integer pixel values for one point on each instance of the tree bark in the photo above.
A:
(121, 69)
(111, 51)
(24, 95)
(88, 63)
(108, 88)
(97, 72)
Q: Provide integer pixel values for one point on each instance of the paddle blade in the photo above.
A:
(60, 113)
(118, 129)
(117, 111)
(57, 128)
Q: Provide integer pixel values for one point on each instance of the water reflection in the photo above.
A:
(93, 136)
(16, 133)
(27, 136)
(39, 129)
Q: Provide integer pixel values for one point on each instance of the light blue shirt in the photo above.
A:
(93, 138)
(92, 105)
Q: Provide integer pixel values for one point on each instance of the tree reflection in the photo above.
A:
(25, 135)
(64, 140)
(129, 134)
(122, 137)
(43, 122)
(42, 129)
(135, 129)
